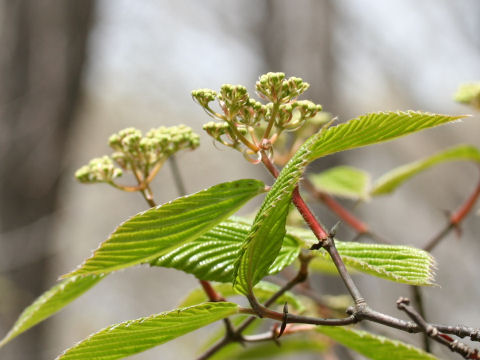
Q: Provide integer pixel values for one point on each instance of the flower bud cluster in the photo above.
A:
(276, 89)
(244, 120)
(98, 170)
(292, 116)
(135, 152)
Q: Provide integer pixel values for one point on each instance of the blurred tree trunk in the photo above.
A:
(43, 53)
(297, 39)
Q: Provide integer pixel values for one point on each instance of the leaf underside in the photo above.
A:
(152, 233)
(402, 264)
(134, 336)
(264, 241)
(373, 346)
(388, 182)
(51, 302)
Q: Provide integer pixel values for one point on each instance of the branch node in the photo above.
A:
(402, 302)
(255, 306)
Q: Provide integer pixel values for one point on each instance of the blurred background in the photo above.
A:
(74, 72)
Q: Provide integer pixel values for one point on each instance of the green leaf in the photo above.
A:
(403, 264)
(373, 346)
(326, 266)
(343, 181)
(263, 290)
(266, 236)
(51, 302)
(265, 350)
(261, 247)
(134, 336)
(374, 128)
(391, 180)
(155, 232)
(212, 256)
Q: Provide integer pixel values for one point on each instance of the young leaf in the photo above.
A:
(51, 302)
(388, 182)
(373, 346)
(403, 264)
(266, 236)
(261, 247)
(152, 233)
(212, 255)
(263, 290)
(343, 181)
(469, 94)
(134, 336)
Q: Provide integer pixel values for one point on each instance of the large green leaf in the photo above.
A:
(374, 128)
(51, 302)
(388, 182)
(403, 264)
(373, 346)
(266, 236)
(212, 255)
(155, 232)
(343, 181)
(134, 336)
(263, 291)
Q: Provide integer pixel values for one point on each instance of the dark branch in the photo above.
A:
(434, 333)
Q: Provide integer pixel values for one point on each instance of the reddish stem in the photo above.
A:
(212, 294)
(337, 208)
(308, 216)
(463, 211)
(455, 219)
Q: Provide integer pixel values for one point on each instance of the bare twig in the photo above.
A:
(418, 299)
(454, 223)
(434, 333)
(236, 335)
(177, 177)
(455, 219)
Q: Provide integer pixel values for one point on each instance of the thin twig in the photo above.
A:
(177, 177)
(330, 247)
(236, 335)
(434, 333)
(455, 219)
(454, 223)
(418, 299)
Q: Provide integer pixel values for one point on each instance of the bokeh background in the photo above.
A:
(74, 72)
